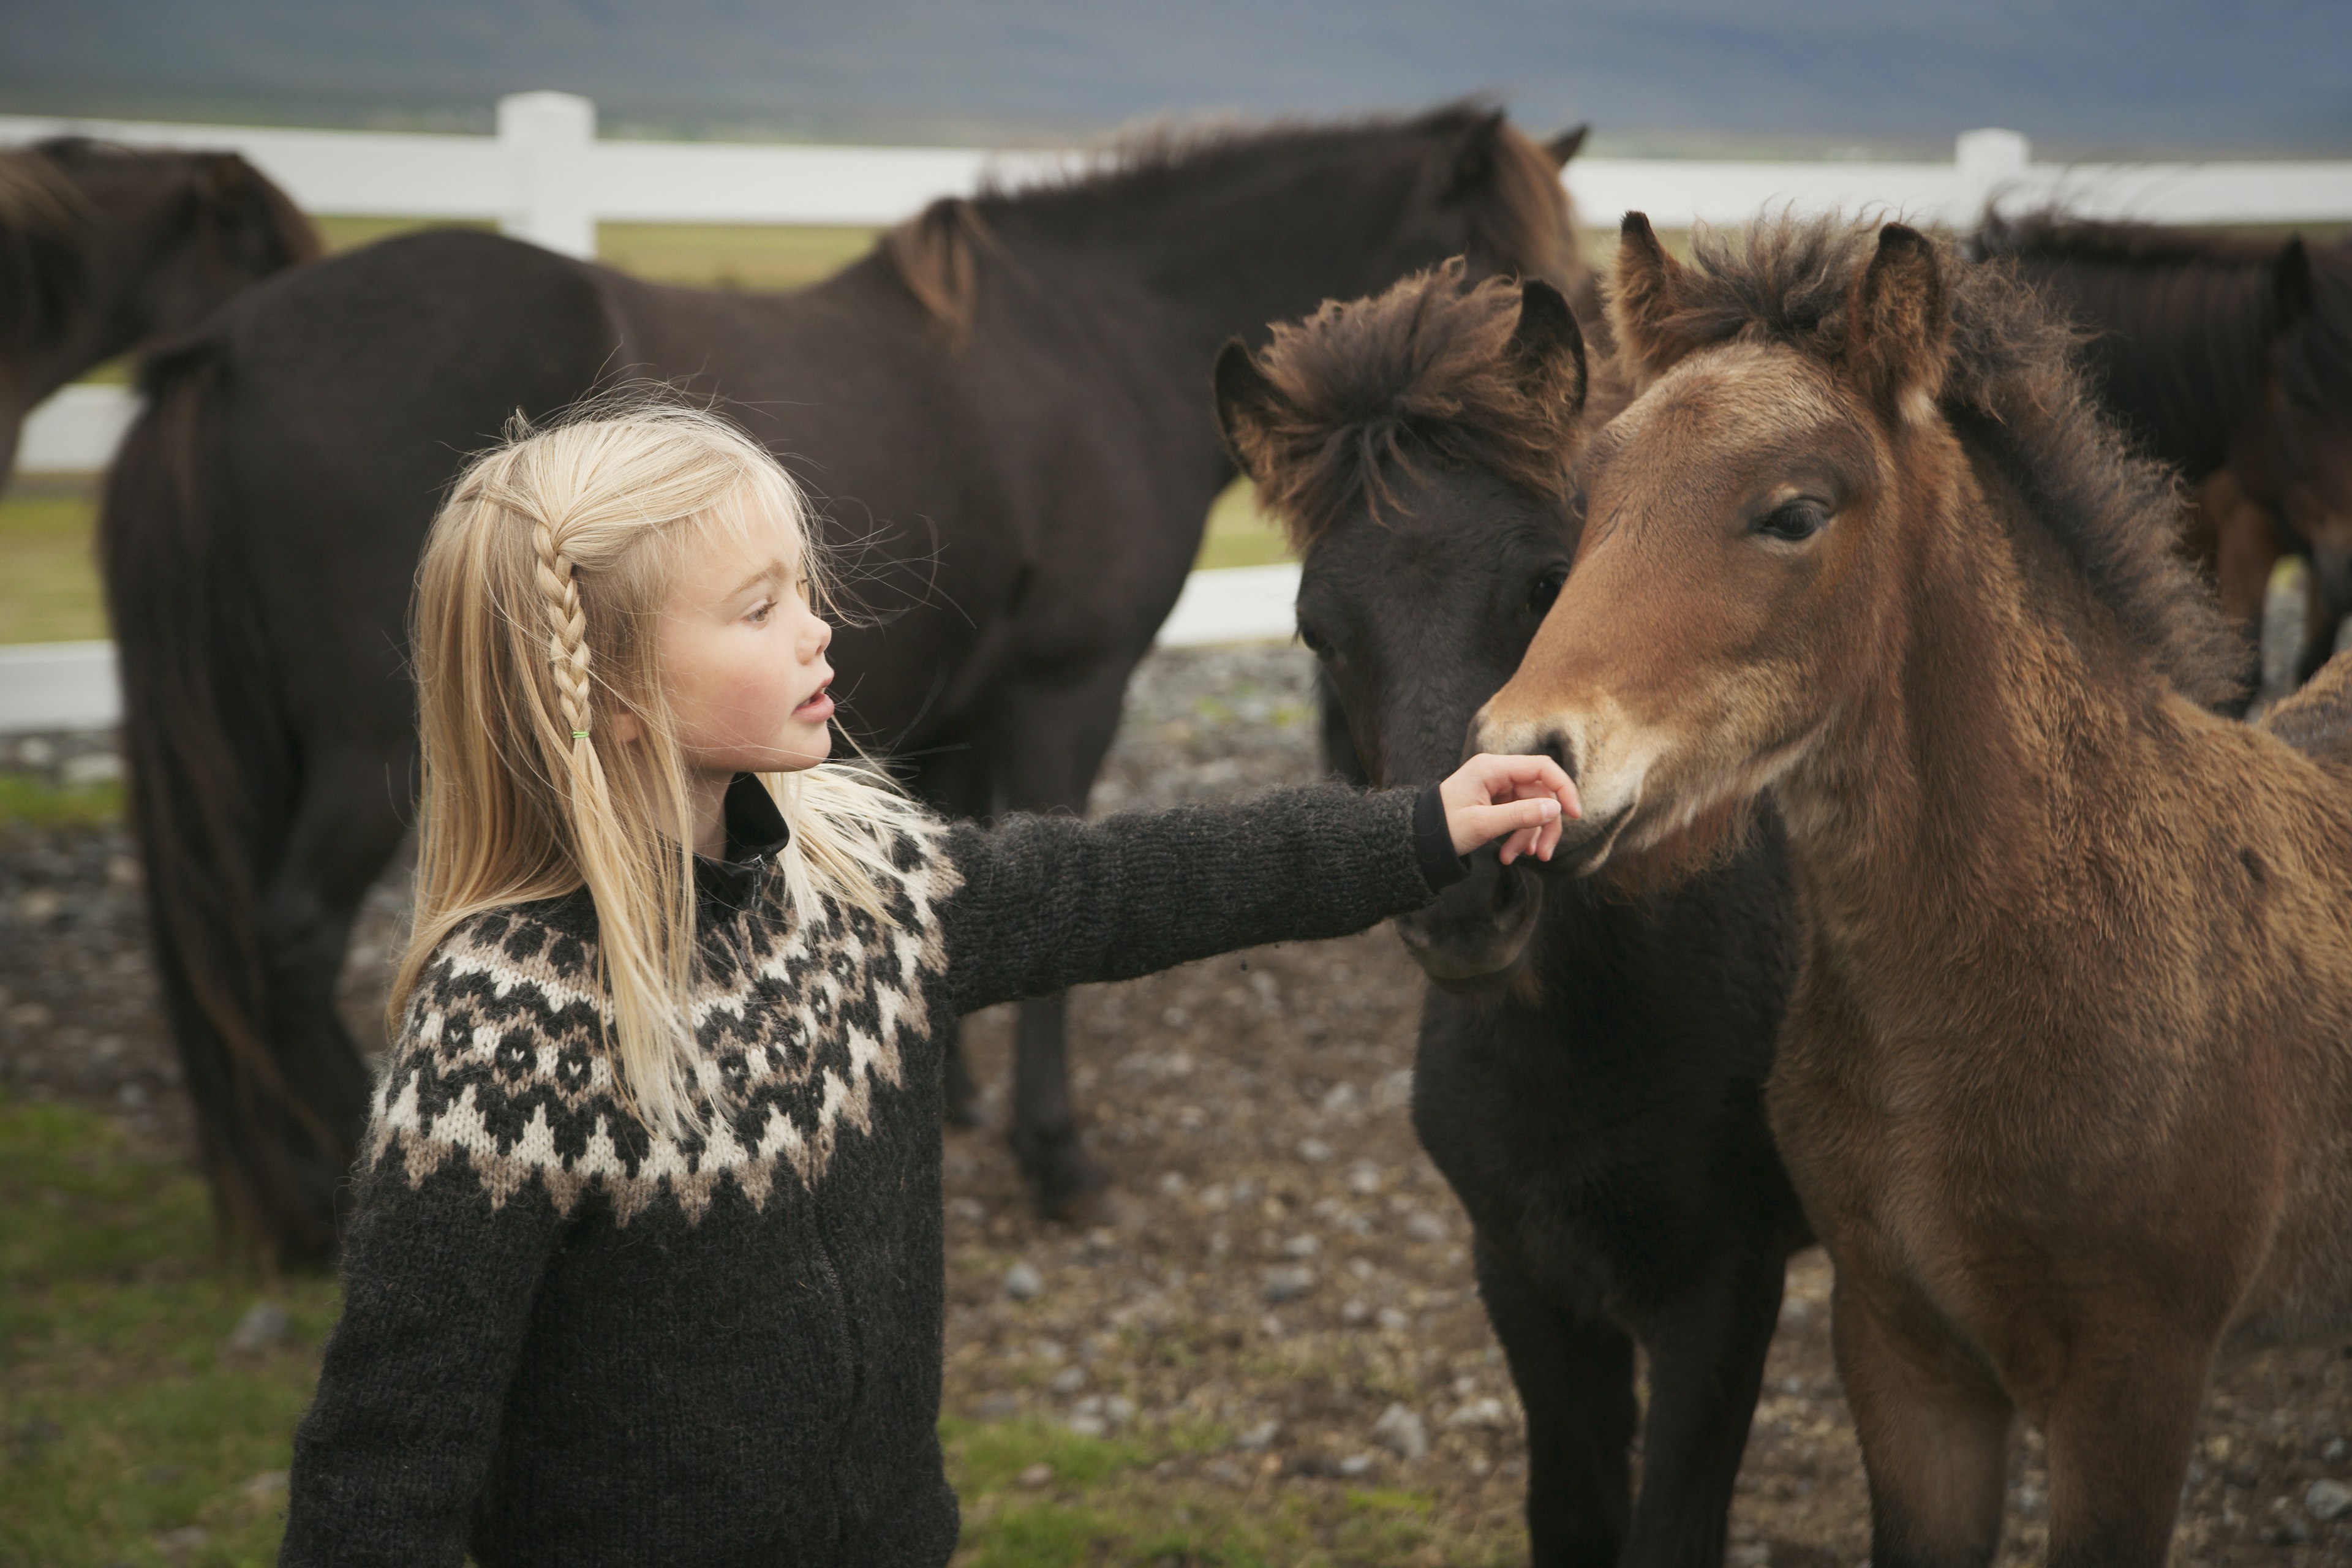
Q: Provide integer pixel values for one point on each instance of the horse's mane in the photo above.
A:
(2183, 322)
(1520, 212)
(1422, 372)
(2015, 386)
(44, 236)
(47, 223)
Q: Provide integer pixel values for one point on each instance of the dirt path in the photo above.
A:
(1283, 1264)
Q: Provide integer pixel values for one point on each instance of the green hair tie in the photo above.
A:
(579, 734)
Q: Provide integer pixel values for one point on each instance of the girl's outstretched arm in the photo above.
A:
(1052, 902)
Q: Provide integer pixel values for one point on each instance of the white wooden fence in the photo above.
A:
(545, 176)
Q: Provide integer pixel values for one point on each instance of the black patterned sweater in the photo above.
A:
(567, 1341)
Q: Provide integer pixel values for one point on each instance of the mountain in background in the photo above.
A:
(2080, 77)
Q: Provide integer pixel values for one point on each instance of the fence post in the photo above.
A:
(548, 138)
(1989, 162)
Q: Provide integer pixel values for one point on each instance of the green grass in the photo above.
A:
(126, 1424)
(48, 580)
(1239, 534)
(28, 803)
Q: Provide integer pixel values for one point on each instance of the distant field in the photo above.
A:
(48, 582)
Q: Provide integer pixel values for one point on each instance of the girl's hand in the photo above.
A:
(1525, 798)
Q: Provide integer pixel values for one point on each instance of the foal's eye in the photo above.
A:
(1317, 643)
(1792, 520)
(1545, 590)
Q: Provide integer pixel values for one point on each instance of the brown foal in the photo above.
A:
(2066, 1086)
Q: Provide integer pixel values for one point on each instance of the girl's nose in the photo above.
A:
(816, 639)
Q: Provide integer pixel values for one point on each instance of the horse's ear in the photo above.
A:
(2291, 282)
(1899, 336)
(1245, 403)
(1566, 145)
(1476, 154)
(1644, 300)
(1548, 347)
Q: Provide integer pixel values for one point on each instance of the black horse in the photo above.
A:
(2231, 360)
(1003, 403)
(103, 248)
(1591, 1061)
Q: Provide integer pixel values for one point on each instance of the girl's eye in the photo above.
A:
(1799, 519)
(761, 611)
(1545, 590)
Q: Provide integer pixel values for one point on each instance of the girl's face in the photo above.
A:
(742, 656)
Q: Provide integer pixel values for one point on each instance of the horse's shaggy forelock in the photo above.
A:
(2014, 382)
(1423, 373)
(1521, 213)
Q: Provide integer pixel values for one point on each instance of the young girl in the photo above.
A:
(644, 1266)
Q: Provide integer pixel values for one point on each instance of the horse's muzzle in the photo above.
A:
(1473, 937)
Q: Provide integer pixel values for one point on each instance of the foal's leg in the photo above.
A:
(1049, 742)
(1575, 1378)
(1706, 1365)
(1935, 1440)
(2118, 1435)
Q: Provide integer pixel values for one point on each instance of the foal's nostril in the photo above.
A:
(1556, 747)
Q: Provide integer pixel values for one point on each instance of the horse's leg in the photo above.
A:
(347, 822)
(1935, 1440)
(1575, 1378)
(1706, 1366)
(1049, 742)
(2118, 1434)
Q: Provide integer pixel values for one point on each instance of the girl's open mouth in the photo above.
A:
(818, 708)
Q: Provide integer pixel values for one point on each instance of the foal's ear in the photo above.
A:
(1645, 299)
(1566, 145)
(1899, 337)
(1548, 348)
(1245, 403)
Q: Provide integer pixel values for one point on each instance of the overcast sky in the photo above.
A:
(2080, 76)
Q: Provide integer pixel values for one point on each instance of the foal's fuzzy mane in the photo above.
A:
(1423, 371)
(2014, 384)
(1521, 213)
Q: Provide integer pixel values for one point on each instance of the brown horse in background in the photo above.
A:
(2231, 360)
(103, 249)
(2066, 1083)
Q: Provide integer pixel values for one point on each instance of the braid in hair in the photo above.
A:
(567, 642)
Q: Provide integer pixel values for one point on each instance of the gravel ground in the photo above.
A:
(1283, 1264)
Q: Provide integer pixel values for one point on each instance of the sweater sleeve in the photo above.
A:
(440, 1273)
(1051, 902)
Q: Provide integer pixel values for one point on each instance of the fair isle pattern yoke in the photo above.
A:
(799, 1024)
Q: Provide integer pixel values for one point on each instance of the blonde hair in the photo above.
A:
(537, 604)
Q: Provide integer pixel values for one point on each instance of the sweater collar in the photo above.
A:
(756, 835)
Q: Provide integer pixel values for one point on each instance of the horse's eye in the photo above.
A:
(1792, 520)
(1545, 589)
(1317, 643)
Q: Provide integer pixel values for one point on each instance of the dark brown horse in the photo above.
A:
(2231, 360)
(103, 249)
(1004, 403)
(1592, 1066)
(2066, 1082)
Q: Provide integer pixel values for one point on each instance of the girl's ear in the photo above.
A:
(1644, 303)
(624, 727)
